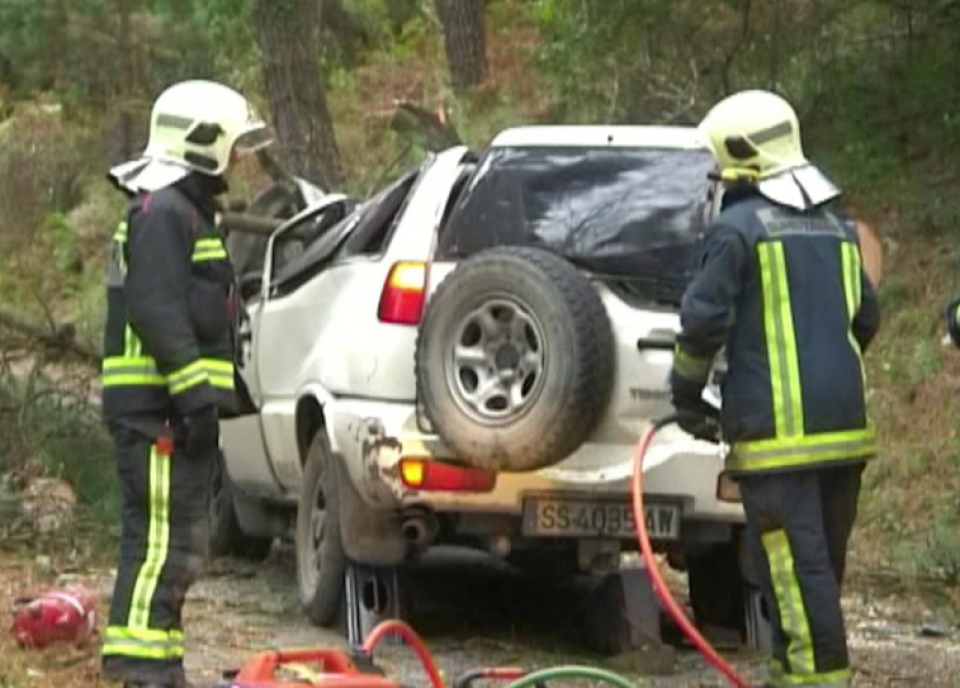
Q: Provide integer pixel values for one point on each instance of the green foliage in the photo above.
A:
(62, 245)
(42, 161)
(874, 82)
(50, 427)
(940, 556)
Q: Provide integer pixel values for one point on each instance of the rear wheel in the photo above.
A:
(717, 587)
(226, 537)
(724, 593)
(321, 560)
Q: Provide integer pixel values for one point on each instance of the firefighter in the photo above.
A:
(168, 368)
(781, 289)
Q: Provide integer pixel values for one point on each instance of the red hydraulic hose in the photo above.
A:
(653, 571)
(415, 641)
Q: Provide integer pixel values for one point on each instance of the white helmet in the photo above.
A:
(755, 137)
(195, 125)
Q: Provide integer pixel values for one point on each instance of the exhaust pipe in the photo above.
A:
(420, 530)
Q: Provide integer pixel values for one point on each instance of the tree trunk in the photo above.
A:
(464, 38)
(127, 81)
(306, 144)
(56, 35)
(8, 76)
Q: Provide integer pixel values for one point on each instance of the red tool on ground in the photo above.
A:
(56, 616)
(336, 668)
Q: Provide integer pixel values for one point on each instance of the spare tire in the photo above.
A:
(515, 359)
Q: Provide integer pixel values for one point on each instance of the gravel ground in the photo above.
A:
(473, 615)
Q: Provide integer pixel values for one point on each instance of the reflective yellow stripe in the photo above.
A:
(141, 651)
(147, 635)
(218, 373)
(832, 679)
(209, 249)
(121, 380)
(217, 254)
(132, 347)
(144, 643)
(776, 671)
(158, 541)
(793, 614)
(689, 366)
(781, 341)
(850, 258)
(203, 249)
(187, 377)
(131, 370)
(120, 237)
(142, 370)
(793, 452)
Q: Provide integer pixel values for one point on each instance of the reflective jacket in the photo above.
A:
(169, 341)
(785, 293)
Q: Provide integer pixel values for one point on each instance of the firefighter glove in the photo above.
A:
(699, 419)
(202, 431)
(694, 415)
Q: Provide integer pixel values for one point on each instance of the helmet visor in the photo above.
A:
(252, 140)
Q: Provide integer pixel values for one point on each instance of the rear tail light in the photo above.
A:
(435, 476)
(401, 301)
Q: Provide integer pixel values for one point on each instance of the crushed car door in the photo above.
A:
(294, 329)
(248, 459)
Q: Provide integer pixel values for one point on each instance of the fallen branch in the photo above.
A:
(61, 337)
(432, 130)
(246, 223)
(274, 170)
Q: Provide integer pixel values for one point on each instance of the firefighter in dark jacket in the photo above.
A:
(781, 288)
(168, 367)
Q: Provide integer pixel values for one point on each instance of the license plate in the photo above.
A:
(557, 517)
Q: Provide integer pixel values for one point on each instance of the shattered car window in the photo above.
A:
(631, 213)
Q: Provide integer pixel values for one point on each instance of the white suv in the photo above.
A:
(468, 358)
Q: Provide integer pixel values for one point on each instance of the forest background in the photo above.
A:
(359, 89)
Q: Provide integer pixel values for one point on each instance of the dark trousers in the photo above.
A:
(162, 549)
(798, 527)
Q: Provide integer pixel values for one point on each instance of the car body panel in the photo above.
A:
(322, 343)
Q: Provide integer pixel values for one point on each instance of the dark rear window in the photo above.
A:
(624, 213)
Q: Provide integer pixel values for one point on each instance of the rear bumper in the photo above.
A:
(373, 437)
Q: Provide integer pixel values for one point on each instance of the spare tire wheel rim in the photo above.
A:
(496, 367)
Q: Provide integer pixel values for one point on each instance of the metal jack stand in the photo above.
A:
(372, 596)
(759, 632)
(624, 613)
